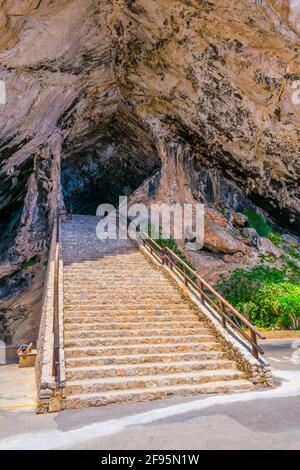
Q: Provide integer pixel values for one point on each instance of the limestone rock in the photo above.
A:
(267, 247)
(198, 94)
(220, 240)
(251, 237)
(239, 219)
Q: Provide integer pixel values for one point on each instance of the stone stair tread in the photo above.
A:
(92, 334)
(97, 324)
(141, 345)
(131, 319)
(149, 364)
(134, 339)
(140, 358)
(119, 324)
(139, 310)
(158, 377)
(211, 387)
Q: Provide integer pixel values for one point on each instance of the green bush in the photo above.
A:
(30, 262)
(290, 303)
(275, 238)
(257, 221)
(268, 297)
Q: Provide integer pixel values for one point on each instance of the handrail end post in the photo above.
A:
(254, 346)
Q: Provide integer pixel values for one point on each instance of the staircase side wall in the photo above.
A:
(258, 371)
(49, 397)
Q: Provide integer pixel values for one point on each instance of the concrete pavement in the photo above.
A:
(256, 420)
(17, 388)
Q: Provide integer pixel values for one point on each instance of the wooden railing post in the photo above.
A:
(186, 281)
(165, 257)
(201, 286)
(224, 322)
(254, 347)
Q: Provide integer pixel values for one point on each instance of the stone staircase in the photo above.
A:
(129, 334)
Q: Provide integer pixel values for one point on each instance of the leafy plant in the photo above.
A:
(290, 303)
(257, 221)
(275, 238)
(269, 297)
(30, 262)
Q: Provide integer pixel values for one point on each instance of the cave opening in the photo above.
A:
(112, 164)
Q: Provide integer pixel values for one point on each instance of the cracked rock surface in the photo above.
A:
(187, 100)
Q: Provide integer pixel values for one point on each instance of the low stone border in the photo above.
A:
(50, 395)
(258, 371)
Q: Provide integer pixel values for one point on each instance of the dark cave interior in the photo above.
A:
(115, 165)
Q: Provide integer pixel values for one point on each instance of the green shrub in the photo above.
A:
(290, 304)
(30, 262)
(268, 297)
(275, 238)
(257, 221)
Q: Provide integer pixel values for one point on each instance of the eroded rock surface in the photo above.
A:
(201, 94)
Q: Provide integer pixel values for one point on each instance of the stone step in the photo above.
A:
(84, 342)
(99, 269)
(106, 274)
(141, 348)
(164, 358)
(136, 309)
(86, 286)
(92, 283)
(91, 333)
(93, 265)
(110, 288)
(144, 303)
(104, 281)
(96, 266)
(129, 317)
(151, 368)
(108, 324)
(71, 316)
(102, 299)
(151, 381)
(97, 324)
(117, 261)
(139, 395)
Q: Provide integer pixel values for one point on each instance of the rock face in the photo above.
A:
(202, 94)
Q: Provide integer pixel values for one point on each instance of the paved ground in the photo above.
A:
(17, 388)
(257, 420)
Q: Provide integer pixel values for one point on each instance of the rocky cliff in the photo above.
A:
(199, 96)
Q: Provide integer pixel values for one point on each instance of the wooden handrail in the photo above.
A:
(219, 297)
(191, 278)
(56, 305)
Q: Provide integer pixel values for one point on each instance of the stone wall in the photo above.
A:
(50, 395)
(258, 371)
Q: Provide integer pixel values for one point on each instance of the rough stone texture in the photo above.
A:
(267, 247)
(257, 371)
(49, 394)
(119, 89)
(217, 239)
(128, 333)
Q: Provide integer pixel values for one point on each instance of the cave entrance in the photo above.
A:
(110, 166)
